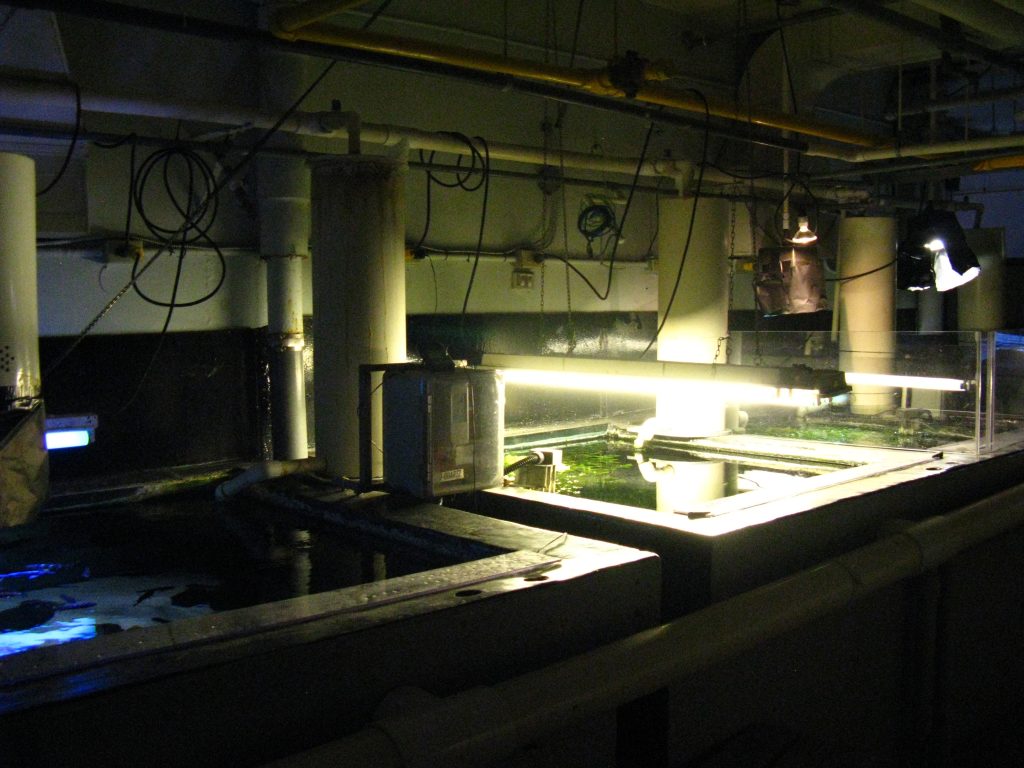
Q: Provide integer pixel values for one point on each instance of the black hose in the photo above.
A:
(533, 458)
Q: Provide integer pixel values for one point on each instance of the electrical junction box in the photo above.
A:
(443, 430)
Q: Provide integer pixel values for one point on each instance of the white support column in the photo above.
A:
(20, 377)
(698, 322)
(358, 294)
(867, 305)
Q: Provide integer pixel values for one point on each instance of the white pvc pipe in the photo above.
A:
(867, 305)
(358, 295)
(23, 99)
(263, 471)
(994, 143)
(20, 377)
(284, 244)
(979, 303)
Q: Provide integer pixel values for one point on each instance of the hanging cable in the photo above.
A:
(848, 278)
(71, 148)
(230, 175)
(486, 181)
(196, 218)
(693, 218)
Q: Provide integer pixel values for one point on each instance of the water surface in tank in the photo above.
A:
(78, 574)
(613, 470)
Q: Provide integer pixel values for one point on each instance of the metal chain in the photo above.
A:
(732, 276)
(543, 272)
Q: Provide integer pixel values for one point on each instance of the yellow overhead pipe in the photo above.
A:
(295, 17)
(999, 163)
(593, 81)
(689, 102)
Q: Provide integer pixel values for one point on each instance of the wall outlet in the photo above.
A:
(120, 251)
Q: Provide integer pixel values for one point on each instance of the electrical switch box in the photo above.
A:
(443, 430)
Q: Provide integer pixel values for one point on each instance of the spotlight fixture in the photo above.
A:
(935, 253)
(804, 235)
(914, 270)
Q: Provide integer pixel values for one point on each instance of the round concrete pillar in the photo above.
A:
(867, 301)
(979, 303)
(698, 320)
(358, 244)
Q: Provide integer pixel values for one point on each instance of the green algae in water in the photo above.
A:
(603, 470)
(883, 436)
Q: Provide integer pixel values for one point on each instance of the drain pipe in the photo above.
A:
(284, 222)
(284, 244)
(485, 724)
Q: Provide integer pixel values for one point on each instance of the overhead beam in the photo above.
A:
(942, 39)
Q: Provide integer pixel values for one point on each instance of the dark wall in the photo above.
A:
(188, 398)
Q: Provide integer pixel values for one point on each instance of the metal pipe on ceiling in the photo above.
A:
(27, 97)
(1013, 5)
(988, 144)
(985, 16)
(117, 13)
(292, 17)
(598, 82)
(978, 99)
(945, 41)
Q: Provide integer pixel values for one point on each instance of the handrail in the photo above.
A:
(480, 725)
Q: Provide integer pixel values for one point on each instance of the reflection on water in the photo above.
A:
(666, 479)
(73, 576)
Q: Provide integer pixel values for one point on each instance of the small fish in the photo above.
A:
(148, 593)
(7, 595)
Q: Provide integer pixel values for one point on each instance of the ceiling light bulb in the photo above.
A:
(804, 234)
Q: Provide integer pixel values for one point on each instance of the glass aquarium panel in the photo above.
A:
(905, 390)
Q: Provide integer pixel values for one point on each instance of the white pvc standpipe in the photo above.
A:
(284, 244)
(284, 217)
(979, 304)
(358, 295)
(867, 305)
(20, 378)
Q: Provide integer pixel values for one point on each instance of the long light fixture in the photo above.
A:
(797, 386)
(934, 383)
